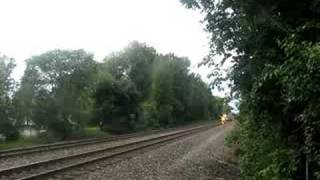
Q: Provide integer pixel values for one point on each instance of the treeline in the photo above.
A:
(63, 91)
(274, 46)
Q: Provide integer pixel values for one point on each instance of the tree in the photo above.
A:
(127, 86)
(139, 89)
(55, 90)
(134, 64)
(162, 95)
(180, 97)
(7, 120)
(116, 105)
(274, 48)
(217, 106)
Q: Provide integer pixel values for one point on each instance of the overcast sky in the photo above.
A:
(31, 27)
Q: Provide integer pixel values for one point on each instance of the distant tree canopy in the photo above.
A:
(63, 91)
(274, 46)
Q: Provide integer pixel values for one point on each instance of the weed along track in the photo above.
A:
(49, 167)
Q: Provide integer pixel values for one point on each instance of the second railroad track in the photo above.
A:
(45, 168)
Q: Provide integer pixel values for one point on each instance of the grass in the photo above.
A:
(89, 132)
(21, 142)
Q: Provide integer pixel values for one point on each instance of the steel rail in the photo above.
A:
(75, 143)
(11, 173)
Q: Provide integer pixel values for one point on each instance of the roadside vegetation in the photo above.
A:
(274, 49)
(66, 94)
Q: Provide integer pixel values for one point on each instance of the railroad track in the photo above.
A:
(66, 144)
(42, 169)
(70, 144)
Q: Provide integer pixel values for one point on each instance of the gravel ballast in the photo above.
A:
(200, 156)
(8, 162)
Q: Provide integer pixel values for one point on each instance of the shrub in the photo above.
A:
(9, 131)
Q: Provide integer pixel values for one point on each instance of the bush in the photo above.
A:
(165, 115)
(262, 154)
(150, 116)
(9, 131)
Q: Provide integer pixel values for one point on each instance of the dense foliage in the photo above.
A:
(147, 90)
(275, 51)
(64, 91)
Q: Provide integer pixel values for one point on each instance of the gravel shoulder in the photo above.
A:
(200, 156)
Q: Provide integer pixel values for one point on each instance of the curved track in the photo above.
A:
(38, 170)
(75, 143)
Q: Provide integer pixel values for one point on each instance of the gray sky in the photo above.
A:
(100, 26)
